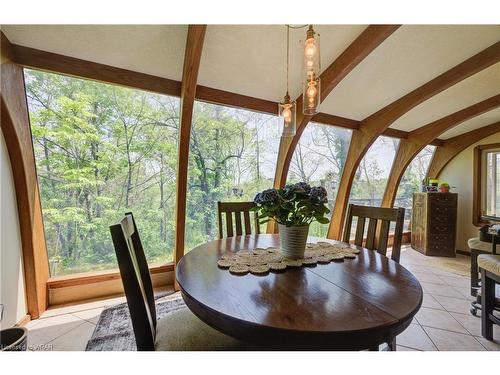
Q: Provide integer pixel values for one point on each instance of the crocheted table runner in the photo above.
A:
(260, 261)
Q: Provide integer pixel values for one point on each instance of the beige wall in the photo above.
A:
(459, 173)
(12, 294)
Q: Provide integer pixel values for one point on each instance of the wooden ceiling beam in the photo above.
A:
(71, 66)
(417, 140)
(343, 122)
(231, 99)
(192, 58)
(6, 52)
(17, 133)
(374, 125)
(453, 146)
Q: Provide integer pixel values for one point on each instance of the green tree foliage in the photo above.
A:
(232, 157)
(104, 150)
(101, 151)
(319, 159)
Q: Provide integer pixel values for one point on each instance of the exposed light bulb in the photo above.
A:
(311, 90)
(310, 47)
(311, 70)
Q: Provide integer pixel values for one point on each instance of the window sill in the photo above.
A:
(97, 276)
(479, 222)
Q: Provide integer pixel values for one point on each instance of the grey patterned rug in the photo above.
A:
(114, 332)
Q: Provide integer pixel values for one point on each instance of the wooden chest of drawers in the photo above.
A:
(434, 223)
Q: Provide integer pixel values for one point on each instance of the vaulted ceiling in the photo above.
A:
(250, 60)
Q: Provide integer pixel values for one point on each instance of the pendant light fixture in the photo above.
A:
(312, 83)
(287, 109)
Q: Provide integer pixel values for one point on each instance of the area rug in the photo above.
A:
(114, 331)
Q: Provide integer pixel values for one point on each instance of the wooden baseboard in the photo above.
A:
(24, 320)
(101, 284)
(462, 252)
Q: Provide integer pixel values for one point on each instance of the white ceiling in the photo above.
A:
(476, 88)
(477, 122)
(410, 57)
(150, 49)
(250, 60)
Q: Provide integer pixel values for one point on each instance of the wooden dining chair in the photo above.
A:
(237, 209)
(378, 217)
(178, 330)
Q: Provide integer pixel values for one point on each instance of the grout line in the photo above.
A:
(464, 334)
(66, 332)
(459, 323)
(447, 330)
(438, 304)
(62, 334)
(410, 347)
(85, 320)
(433, 343)
(432, 308)
(69, 313)
(480, 343)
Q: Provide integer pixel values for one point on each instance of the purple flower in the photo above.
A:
(268, 196)
(319, 193)
(299, 187)
(303, 186)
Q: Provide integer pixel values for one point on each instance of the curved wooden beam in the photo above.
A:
(453, 146)
(419, 138)
(17, 133)
(374, 125)
(192, 57)
(62, 64)
(357, 51)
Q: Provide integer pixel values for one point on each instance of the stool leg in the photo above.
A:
(392, 345)
(487, 305)
(474, 280)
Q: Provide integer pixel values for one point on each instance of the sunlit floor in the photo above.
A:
(443, 322)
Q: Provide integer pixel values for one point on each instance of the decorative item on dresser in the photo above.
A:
(434, 223)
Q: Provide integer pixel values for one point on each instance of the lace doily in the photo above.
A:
(260, 261)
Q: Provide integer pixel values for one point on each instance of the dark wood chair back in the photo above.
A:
(378, 217)
(237, 209)
(136, 281)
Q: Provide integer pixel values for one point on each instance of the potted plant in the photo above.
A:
(294, 208)
(444, 187)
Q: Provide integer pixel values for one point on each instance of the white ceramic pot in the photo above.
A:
(293, 240)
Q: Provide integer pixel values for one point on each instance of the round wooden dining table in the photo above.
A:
(353, 304)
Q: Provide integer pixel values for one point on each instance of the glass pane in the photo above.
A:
(101, 151)
(412, 180)
(319, 160)
(492, 195)
(371, 176)
(232, 157)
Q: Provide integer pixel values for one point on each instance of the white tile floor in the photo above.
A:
(443, 323)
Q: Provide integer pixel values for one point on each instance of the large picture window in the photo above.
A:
(412, 181)
(371, 176)
(319, 160)
(101, 151)
(487, 184)
(232, 156)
